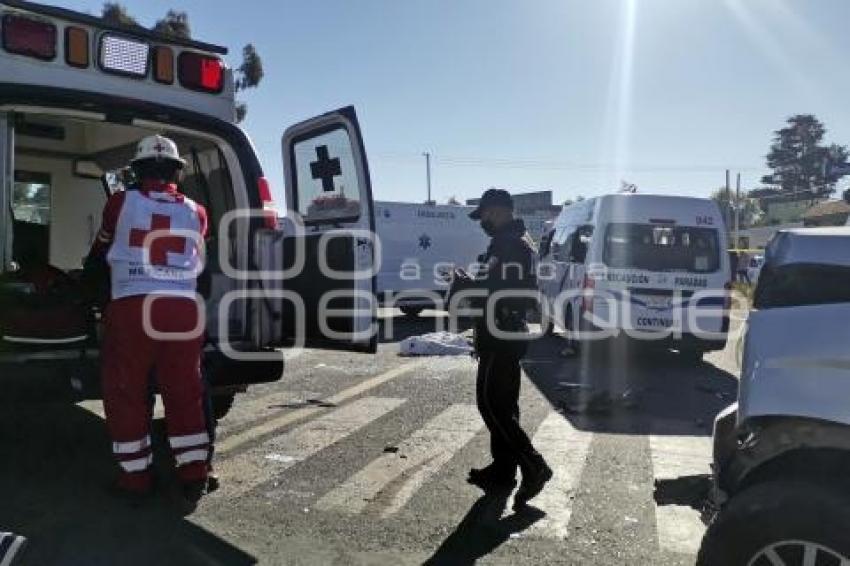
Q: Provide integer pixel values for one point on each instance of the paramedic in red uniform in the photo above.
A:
(151, 237)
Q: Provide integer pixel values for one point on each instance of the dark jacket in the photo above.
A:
(508, 264)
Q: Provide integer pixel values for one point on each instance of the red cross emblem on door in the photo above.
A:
(160, 245)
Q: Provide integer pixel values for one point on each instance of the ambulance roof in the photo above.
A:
(111, 62)
(100, 23)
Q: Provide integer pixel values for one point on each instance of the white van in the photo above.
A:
(76, 95)
(420, 243)
(652, 267)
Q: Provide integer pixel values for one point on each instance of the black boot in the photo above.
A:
(532, 483)
(492, 477)
(190, 495)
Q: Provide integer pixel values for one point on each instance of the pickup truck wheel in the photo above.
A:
(412, 312)
(790, 522)
(221, 405)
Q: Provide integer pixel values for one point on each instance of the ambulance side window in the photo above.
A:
(31, 198)
(327, 184)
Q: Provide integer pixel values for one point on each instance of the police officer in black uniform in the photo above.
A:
(508, 265)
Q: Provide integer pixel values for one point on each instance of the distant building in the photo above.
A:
(534, 208)
(758, 237)
(829, 213)
(783, 208)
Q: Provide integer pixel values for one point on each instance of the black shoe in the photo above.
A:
(492, 477)
(532, 484)
(213, 483)
(191, 494)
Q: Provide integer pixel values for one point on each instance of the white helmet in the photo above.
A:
(157, 147)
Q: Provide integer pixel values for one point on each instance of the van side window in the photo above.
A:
(580, 244)
(560, 244)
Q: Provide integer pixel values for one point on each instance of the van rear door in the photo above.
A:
(318, 271)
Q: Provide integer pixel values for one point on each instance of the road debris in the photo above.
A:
(435, 344)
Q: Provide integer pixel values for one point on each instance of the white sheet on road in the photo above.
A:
(435, 344)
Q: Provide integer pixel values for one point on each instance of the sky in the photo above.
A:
(572, 96)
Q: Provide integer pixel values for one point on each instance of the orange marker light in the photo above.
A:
(163, 58)
(77, 47)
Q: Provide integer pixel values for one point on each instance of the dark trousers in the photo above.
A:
(497, 394)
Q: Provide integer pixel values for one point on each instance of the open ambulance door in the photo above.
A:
(320, 267)
(7, 174)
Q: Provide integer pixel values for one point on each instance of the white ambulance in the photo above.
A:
(420, 245)
(76, 95)
(649, 267)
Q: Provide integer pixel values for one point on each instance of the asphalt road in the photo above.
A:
(358, 459)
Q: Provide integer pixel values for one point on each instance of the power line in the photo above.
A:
(534, 164)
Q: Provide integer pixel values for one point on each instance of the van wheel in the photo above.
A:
(412, 312)
(798, 522)
(221, 405)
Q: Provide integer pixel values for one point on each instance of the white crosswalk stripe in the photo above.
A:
(424, 453)
(247, 471)
(679, 528)
(565, 449)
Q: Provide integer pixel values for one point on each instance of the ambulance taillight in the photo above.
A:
(29, 37)
(270, 212)
(200, 72)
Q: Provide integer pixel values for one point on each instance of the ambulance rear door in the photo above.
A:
(319, 268)
(7, 173)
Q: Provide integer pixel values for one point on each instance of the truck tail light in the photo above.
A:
(25, 36)
(200, 72)
(77, 47)
(264, 191)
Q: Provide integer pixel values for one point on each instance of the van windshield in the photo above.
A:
(662, 248)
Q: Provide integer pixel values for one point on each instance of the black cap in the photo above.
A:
(492, 197)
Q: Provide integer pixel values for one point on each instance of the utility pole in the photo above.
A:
(737, 211)
(428, 175)
(727, 213)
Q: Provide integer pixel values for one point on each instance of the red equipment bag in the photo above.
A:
(42, 307)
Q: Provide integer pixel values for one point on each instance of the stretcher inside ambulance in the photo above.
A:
(76, 96)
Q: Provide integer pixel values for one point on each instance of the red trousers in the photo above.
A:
(129, 354)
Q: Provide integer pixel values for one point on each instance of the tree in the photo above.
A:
(248, 75)
(174, 24)
(749, 211)
(116, 14)
(799, 160)
(453, 201)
